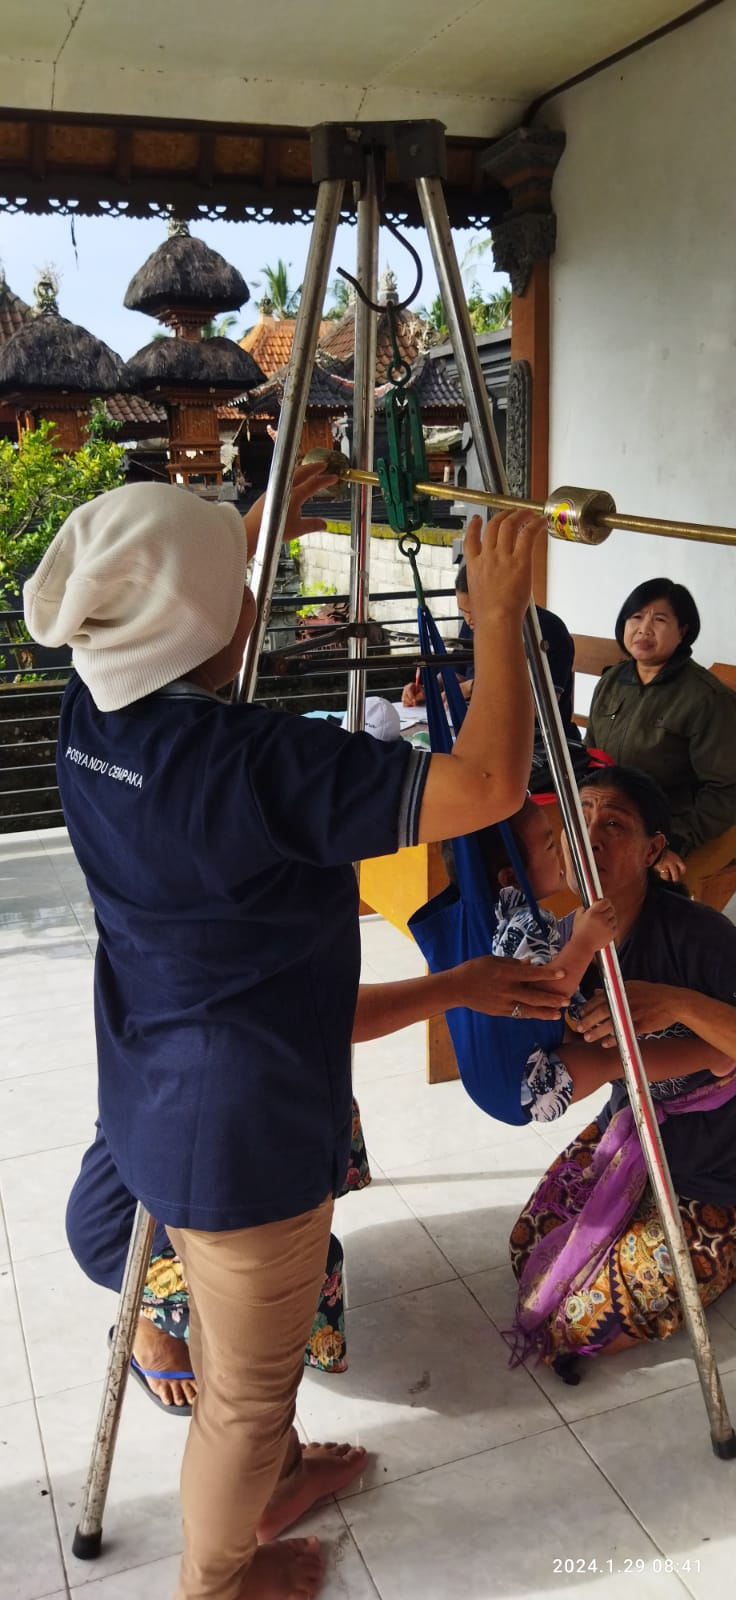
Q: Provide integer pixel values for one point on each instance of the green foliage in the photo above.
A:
(339, 289)
(284, 298)
(295, 549)
(434, 314)
(101, 426)
(219, 329)
(222, 328)
(489, 314)
(314, 589)
(39, 486)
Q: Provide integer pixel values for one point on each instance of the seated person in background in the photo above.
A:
(560, 654)
(664, 714)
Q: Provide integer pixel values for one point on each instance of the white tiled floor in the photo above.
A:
(482, 1482)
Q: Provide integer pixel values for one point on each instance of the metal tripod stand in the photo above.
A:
(356, 155)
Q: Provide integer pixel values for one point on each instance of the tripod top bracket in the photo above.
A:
(341, 149)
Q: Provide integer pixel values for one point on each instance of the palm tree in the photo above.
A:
(340, 290)
(489, 314)
(434, 314)
(211, 330)
(493, 312)
(285, 299)
(477, 249)
(221, 328)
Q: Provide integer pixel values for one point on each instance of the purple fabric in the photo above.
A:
(607, 1193)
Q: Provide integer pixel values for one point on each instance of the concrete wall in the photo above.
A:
(325, 559)
(643, 398)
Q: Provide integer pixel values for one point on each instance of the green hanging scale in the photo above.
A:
(406, 464)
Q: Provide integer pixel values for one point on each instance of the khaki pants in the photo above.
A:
(253, 1294)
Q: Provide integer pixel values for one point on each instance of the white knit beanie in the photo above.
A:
(145, 583)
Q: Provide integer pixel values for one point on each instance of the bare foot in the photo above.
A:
(160, 1352)
(293, 1569)
(323, 1469)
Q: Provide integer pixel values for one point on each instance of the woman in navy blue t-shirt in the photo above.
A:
(217, 842)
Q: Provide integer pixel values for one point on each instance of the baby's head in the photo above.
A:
(536, 843)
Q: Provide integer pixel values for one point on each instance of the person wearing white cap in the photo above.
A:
(381, 719)
(217, 842)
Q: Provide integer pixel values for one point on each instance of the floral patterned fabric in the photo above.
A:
(518, 933)
(633, 1292)
(359, 1172)
(166, 1297)
(326, 1344)
(546, 1086)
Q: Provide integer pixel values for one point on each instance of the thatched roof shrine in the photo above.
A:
(50, 353)
(14, 313)
(207, 364)
(185, 283)
(184, 275)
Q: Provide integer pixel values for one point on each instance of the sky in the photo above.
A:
(95, 275)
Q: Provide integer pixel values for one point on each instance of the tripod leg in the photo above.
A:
(363, 431)
(492, 467)
(361, 455)
(88, 1535)
(291, 423)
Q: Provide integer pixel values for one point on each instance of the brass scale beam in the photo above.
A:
(581, 516)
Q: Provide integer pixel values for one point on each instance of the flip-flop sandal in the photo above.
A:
(142, 1374)
(567, 1368)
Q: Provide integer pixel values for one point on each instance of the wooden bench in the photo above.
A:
(711, 869)
(395, 887)
(726, 673)
(592, 656)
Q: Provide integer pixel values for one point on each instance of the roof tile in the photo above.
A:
(270, 341)
(132, 408)
(327, 392)
(337, 345)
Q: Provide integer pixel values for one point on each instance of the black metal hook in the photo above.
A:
(401, 305)
(410, 546)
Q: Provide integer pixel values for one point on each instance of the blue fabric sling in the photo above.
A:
(459, 924)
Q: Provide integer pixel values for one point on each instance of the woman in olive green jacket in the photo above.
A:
(661, 712)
